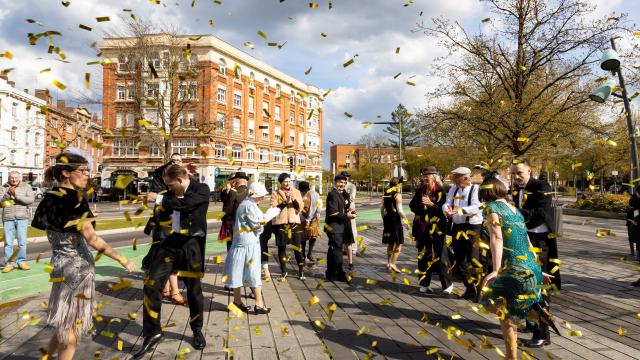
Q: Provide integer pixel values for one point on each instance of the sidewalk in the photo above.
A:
(375, 315)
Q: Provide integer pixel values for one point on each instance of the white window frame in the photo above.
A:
(236, 151)
(263, 155)
(252, 104)
(250, 154)
(220, 121)
(121, 90)
(251, 126)
(222, 94)
(237, 99)
(237, 125)
(222, 67)
(220, 150)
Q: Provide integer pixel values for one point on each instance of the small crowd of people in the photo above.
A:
(504, 252)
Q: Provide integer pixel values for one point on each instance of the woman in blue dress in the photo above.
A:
(513, 290)
(242, 265)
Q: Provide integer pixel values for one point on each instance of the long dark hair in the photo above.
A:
(64, 161)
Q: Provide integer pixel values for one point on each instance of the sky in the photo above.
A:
(372, 29)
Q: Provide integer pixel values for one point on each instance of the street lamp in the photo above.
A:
(611, 62)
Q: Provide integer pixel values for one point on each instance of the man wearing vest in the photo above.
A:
(532, 197)
(462, 208)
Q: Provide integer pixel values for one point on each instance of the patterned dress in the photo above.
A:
(73, 297)
(519, 281)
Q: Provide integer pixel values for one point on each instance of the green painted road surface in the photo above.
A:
(19, 283)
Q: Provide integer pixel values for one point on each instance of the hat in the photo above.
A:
(340, 177)
(429, 170)
(283, 176)
(257, 189)
(461, 171)
(239, 175)
(345, 174)
(303, 186)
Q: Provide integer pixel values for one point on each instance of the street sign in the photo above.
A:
(614, 173)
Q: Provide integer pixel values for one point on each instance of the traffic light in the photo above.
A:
(291, 163)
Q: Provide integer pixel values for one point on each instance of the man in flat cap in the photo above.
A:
(462, 208)
(338, 228)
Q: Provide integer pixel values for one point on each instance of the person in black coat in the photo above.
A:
(183, 250)
(231, 200)
(338, 228)
(532, 198)
(431, 223)
(633, 224)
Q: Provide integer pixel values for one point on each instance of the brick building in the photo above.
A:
(349, 157)
(219, 107)
(70, 127)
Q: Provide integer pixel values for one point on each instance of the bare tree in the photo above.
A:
(521, 82)
(163, 82)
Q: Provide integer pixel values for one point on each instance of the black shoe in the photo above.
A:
(537, 343)
(542, 308)
(227, 288)
(148, 344)
(311, 258)
(198, 340)
(469, 294)
(242, 307)
(636, 283)
(261, 310)
(350, 266)
(342, 277)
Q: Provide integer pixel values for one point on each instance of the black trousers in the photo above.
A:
(429, 248)
(549, 250)
(464, 252)
(165, 262)
(334, 256)
(288, 234)
(265, 236)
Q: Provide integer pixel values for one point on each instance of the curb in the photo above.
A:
(595, 214)
(39, 239)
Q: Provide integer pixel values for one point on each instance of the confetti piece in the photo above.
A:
(283, 330)
(319, 324)
(622, 331)
(182, 352)
(313, 300)
(216, 260)
(123, 181)
(313, 5)
(262, 34)
(84, 27)
(56, 279)
(132, 316)
(431, 351)
(575, 333)
(59, 85)
(486, 20)
(102, 19)
(361, 331)
(308, 71)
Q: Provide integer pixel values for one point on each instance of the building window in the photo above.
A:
(301, 160)
(278, 91)
(70, 128)
(155, 60)
(265, 134)
(121, 91)
(122, 63)
(37, 139)
(264, 155)
(277, 157)
(221, 150)
(292, 117)
(292, 97)
(222, 94)
(182, 91)
(119, 120)
(301, 140)
(266, 87)
(252, 80)
(220, 119)
(222, 67)
(252, 104)
(249, 154)
(130, 120)
(193, 91)
(265, 108)
(153, 89)
(301, 119)
(191, 119)
(251, 126)
(276, 134)
(184, 146)
(276, 114)
(124, 148)
(237, 100)
(292, 138)
(54, 142)
(155, 151)
(36, 160)
(236, 152)
(131, 92)
(236, 125)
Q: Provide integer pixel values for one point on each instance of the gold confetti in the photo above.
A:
(486, 20)
(313, 5)
(331, 309)
(575, 333)
(371, 282)
(84, 27)
(313, 300)
(132, 316)
(319, 324)
(361, 331)
(123, 181)
(308, 71)
(56, 279)
(216, 260)
(262, 34)
(283, 330)
(431, 351)
(622, 331)
(59, 85)
(102, 19)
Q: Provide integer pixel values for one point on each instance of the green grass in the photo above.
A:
(110, 224)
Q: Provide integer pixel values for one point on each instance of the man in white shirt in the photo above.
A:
(462, 209)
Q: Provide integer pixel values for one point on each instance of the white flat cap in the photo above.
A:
(462, 171)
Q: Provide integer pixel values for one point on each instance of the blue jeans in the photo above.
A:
(15, 229)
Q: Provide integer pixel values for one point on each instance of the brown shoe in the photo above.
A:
(177, 299)
(8, 268)
(24, 266)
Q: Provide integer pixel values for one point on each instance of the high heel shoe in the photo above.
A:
(177, 299)
(542, 308)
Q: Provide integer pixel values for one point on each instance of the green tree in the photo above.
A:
(410, 132)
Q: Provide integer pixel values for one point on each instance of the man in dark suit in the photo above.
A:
(533, 199)
(338, 228)
(182, 250)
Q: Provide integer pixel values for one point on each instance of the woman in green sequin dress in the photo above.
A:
(515, 286)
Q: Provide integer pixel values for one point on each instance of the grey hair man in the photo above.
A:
(15, 197)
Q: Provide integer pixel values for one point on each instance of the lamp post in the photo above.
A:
(611, 62)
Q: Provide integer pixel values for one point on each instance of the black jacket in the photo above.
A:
(336, 219)
(536, 202)
(193, 208)
(433, 213)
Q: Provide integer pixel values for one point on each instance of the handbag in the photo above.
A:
(555, 219)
